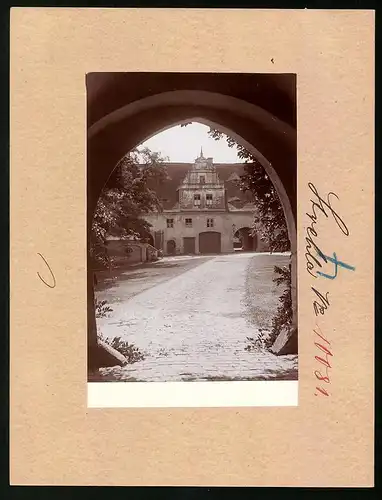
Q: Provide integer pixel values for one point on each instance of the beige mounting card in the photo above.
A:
(55, 439)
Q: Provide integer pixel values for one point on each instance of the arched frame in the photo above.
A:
(249, 125)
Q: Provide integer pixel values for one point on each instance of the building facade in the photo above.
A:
(204, 213)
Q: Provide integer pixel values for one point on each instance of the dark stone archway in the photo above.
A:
(111, 140)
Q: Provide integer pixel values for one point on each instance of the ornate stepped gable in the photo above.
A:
(201, 188)
(220, 178)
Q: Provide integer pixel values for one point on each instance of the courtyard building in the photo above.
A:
(204, 211)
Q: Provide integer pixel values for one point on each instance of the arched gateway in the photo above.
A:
(171, 247)
(256, 110)
(248, 241)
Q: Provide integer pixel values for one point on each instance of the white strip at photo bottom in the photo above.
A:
(192, 394)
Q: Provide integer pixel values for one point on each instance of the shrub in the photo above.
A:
(260, 342)
(130, 351)
(102, 309)
(284, 313)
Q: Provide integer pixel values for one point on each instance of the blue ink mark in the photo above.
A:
(337, 263)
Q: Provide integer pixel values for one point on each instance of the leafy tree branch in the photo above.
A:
(269, 221)
(129, 194)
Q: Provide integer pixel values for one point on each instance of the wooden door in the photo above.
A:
(210, 242)
(189, 245)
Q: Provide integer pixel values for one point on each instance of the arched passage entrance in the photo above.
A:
(171, 247)
(117, 127)
(248, 240)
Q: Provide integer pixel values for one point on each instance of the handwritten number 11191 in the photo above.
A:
(315, 258)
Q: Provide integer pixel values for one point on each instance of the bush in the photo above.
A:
(284, 313)
(260, 342)
(101, 309)
(130, 351)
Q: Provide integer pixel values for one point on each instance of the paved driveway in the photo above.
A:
(191, 317)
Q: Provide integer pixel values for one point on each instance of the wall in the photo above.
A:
(118, 250)
(186, 197)
(223, 223)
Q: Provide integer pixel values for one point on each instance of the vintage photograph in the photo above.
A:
(191, 217)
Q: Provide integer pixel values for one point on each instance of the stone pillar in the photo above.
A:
(293, 263)
(92, 327)
(255, 242)
(99, 353)
(287, 340)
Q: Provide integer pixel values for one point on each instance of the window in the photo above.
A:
(170, 222)
(210, 222)
(202, 179)
(197, 200)
(209, 199)
(188, 222)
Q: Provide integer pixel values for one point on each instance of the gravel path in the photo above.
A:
(193, 325)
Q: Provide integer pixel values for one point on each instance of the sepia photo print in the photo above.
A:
(191, 205)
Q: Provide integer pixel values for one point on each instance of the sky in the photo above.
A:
(182, 144)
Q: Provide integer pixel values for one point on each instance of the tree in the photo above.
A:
(269, 220)
(270, 224)
(128, 195)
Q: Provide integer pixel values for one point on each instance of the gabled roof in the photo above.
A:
(229, 173)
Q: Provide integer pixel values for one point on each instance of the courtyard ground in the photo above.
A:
(191, 317)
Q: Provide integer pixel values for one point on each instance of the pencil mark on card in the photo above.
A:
(52, 279)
